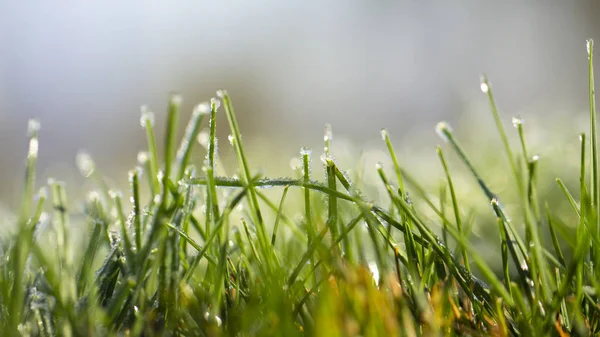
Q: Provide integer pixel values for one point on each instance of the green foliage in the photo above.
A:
(211, 255)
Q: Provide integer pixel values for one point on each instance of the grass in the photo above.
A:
(211, 255)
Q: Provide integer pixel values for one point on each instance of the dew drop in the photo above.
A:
(589, 46)
(42, 193)
(85, 164)
(304, 151)
(215, 104)
(147, 117)
(136, 171)
(114, 194)
(231, 139)
(484, 84)
(176, 99)
(535, 158)
(33, 126)
(212, 319)
(93, 196)
(384, 134)
(202, 109)
(143, 157)
(327, 159)
(221, 93)
(484, 88)
(517, 122)
(442, 128)
(379, 165)
(203, 138)
(157, 199)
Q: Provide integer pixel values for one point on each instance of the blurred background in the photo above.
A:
(84, 69)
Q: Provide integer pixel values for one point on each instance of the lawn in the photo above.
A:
(216, 255)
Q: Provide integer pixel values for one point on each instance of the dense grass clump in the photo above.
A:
(211, 255)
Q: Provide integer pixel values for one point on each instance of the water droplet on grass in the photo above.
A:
(213, 319)
(203, 138)
(136, 171)
(304, 151)
(231, 139)
(176, 99)
(484, 84)
(484, 88)
(143, 157)
(85, 164)
(202, 109)
(384, 134)
(147, 117)
(379, 165)
(221, 93)
(327, 159)
(93, 196)
(33, 126)
(442, 128)
(42, 193)
(215, 103)
(115, 194)
(589, 45)
(517, 122)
